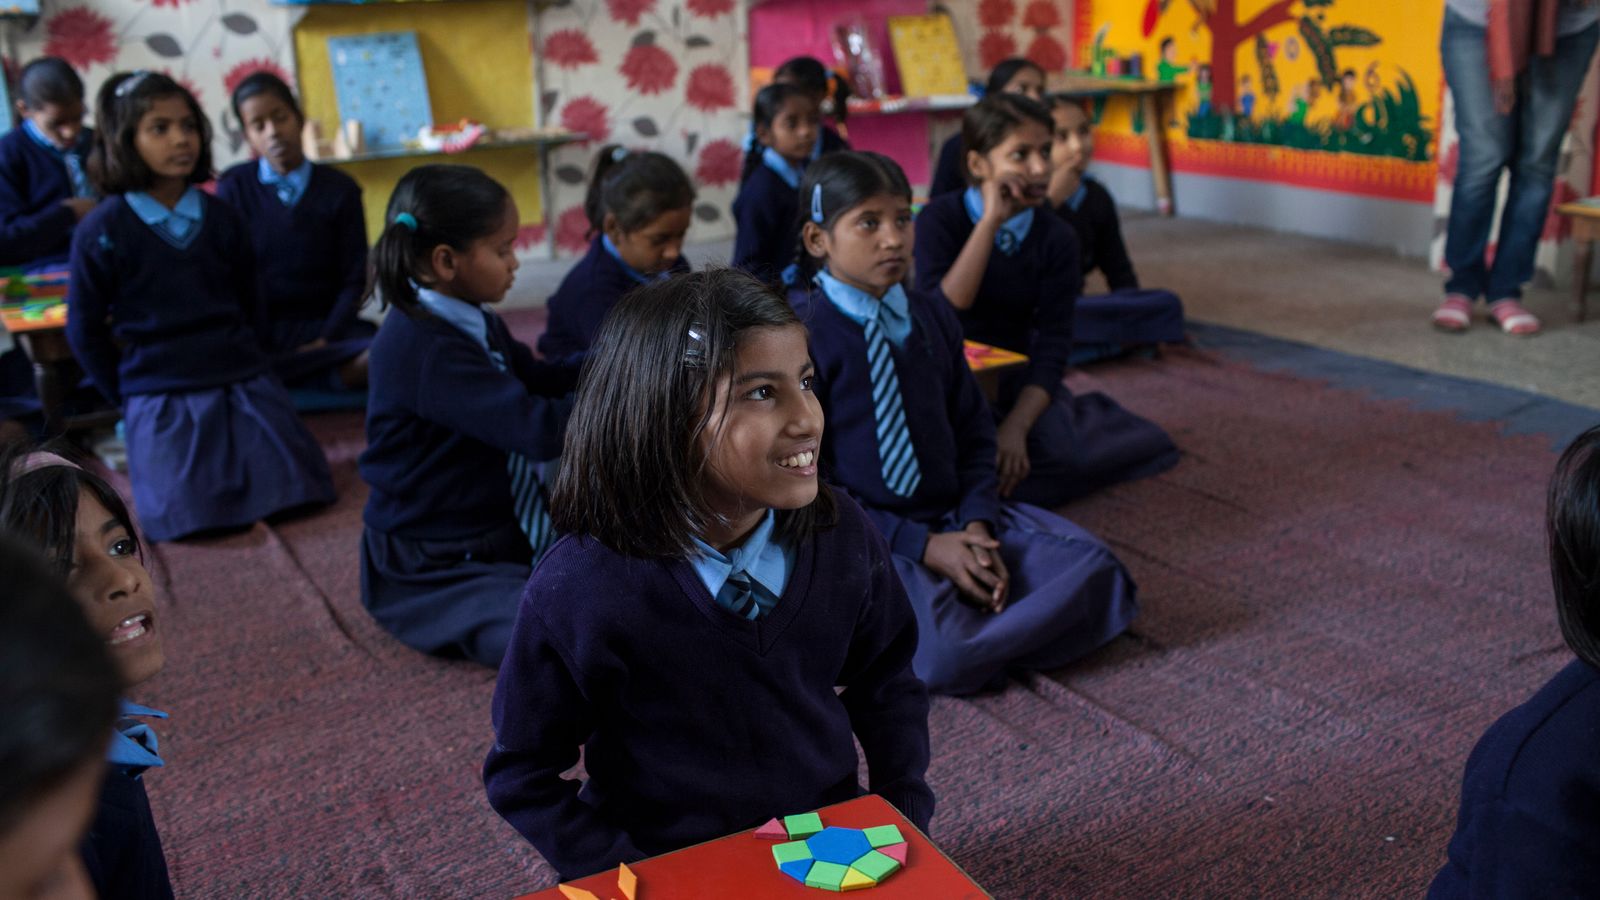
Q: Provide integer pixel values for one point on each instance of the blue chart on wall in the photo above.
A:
(379, 81)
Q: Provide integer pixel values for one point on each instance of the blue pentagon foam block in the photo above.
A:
(838, 845)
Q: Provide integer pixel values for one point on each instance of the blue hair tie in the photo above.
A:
(619, 154)
(816, 203)
(406, 220)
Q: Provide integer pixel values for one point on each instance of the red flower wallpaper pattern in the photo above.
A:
(80, 36)
(629, 11)
(572, 230)
(994, 48)
(1039, 26)
(569, 49)
(996, 13)
(710, 9)
(720, 162)
(589, 116)
(710, 87)
(249, 67)
(649, 69)
(1041, 14)
(1048, 53)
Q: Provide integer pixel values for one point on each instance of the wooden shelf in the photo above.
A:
(550, 139)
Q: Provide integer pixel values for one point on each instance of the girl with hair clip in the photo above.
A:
(1529, 825)
(713, 616)
(1103, 325)
(83, 527)
(461, 419)
(58, 698)
(786, 121)
(1013, 277)
(995, 584)
(639, 207)
(832, 93)
(1013, 76)
(309, 231)
(162, 314)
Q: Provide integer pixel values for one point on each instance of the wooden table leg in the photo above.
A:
(1582, 256)
(1155, 137)
(49, 353)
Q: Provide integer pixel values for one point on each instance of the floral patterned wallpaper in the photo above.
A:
(993, 30)
(664, 75)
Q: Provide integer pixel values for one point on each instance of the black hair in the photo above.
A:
(114, 164)
(637, 187)
(49, 80)
(442, 204)
(991, 120)
(59, 687)
(633, 474)
(1001, 75)
(257, 83)
(41, 505)
(1572, 521)
(809, 73)
(848, 179)
(769, 103)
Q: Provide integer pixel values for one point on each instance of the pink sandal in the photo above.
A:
(1454, 314)
(1513, 319)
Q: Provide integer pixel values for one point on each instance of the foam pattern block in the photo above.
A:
(884, 834)
(854, 880)
(791, 851)
(840, 845)
(802, 826)
(826, 875)
(773, 831)
(875, 865)
(896, 852)
(797, 869)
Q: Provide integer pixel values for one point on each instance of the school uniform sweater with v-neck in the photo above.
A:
(695, 722)
(146, 316)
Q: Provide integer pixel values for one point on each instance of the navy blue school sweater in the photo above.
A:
(1025, 301)
(586, 295)
(1530, 802)
(147, 317)
(767, 238)
(311, 258)
(122, 850)
(441, 419)
(951, 426)
(947, 169)
(35, 229)
(1099, 231)
(694, 722)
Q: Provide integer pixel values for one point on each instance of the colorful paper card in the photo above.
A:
(982, 357)
(380, 82)
(926, 52)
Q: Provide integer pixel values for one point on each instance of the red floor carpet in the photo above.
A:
(1339, 593)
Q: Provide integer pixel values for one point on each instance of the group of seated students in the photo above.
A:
(779, 484)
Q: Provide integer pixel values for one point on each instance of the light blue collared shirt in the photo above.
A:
(72, 158)
(786, 170)
(179, 225)
(291, 185)
(892, 310)
(635, 274)
(1012, 232)
(1077, 198)
(763, 559)
(133, 744)
(470, 318)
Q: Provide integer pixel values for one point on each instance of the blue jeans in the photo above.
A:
(1527, 142)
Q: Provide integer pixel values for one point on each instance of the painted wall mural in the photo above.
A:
(1334, 94)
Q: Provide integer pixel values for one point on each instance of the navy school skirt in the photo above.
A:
(220, 458)
(1128, 317)
(1069, 595)
(453, 598)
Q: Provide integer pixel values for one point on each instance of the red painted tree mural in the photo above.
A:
(1221, 18)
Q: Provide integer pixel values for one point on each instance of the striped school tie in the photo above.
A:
(745, 597)
(528, 501)
(80, 178)
(900, 472)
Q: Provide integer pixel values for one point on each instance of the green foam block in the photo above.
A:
(875, 865)
(791, 851)
(883, 835)
(826, 876)
(802, 826)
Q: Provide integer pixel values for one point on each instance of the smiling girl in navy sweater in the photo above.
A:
(1011, 271)
(83, 526)
(639, 206)
(995, 584)
(460, 420)
(786, 122)
(716, 631)
(162, 314)
(310, 236)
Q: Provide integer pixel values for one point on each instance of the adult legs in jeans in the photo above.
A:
(1528, 141)
(1546, 96)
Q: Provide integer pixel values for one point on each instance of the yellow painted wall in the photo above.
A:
(479, 66)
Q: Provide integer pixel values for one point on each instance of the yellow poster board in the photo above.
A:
(926, 52)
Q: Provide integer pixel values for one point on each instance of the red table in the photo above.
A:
(740, 866)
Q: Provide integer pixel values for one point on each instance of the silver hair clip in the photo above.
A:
(816, 203)
(130, 82)
(695, 354)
